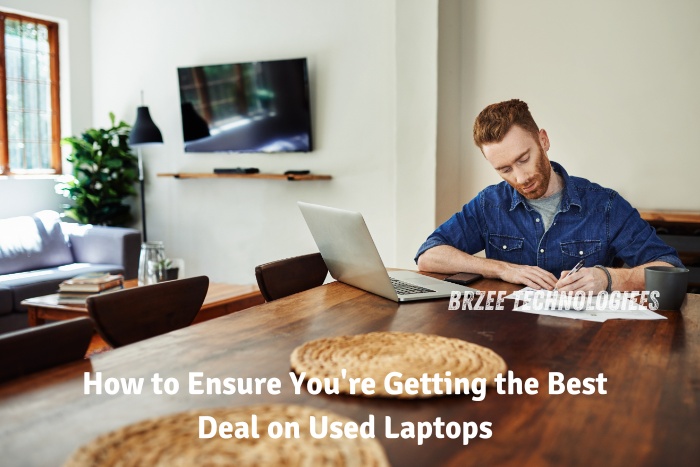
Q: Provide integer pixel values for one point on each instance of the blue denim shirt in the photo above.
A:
(593, 223)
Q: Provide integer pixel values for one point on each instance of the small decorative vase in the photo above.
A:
(151, 263)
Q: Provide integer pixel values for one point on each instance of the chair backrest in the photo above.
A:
(135, 314)
(38, 348)
(289, 276)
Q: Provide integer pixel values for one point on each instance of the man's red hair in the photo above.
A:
(496, 120)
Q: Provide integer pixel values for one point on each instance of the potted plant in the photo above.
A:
(169, 273)
(104, 174)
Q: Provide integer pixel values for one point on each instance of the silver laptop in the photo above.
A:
(352, 257)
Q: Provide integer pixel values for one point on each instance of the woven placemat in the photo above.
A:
(174, 441)
(376, 354)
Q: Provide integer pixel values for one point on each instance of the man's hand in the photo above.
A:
(449, 260)
(532, 276)
(585, 280)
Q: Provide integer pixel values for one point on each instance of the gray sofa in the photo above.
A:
(38, 252)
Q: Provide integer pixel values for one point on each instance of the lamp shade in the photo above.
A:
(144, 130)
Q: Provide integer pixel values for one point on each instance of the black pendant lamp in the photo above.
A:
(143, 132)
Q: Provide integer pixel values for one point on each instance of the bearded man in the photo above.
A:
(540, 222)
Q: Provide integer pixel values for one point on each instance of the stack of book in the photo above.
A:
(76, 290)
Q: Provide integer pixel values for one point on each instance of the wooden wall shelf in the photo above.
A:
(257, 175)
(685, 217)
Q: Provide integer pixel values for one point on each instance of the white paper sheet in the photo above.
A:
(597, 308)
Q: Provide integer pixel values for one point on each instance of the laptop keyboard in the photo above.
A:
(405, 288)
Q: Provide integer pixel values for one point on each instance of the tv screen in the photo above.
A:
(246, 107)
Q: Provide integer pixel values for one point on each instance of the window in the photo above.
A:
(29, 96)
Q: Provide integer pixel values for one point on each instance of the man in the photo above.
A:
(540, 222)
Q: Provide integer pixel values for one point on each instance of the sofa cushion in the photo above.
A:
(13, 322)
(5, 300)
(30, 284)
(29, 243)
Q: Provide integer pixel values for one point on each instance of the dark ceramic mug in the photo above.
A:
(670, 282)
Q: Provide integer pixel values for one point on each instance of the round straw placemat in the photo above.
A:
(376, 354)
(173, 440)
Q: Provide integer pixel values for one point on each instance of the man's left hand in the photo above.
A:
(585, 280)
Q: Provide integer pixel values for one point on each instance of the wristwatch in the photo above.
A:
(608, 289)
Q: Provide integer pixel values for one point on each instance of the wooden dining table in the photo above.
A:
(649, 414)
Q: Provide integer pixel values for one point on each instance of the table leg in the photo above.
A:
(33, 317)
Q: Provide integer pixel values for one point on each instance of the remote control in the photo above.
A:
(237, 170)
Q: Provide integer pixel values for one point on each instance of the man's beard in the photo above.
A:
(540, 178)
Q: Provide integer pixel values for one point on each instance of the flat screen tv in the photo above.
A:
(246, 107)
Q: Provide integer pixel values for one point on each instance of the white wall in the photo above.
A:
(416, 125)
(73, 16)
(223, 228)
(450, 128)
(615, 84)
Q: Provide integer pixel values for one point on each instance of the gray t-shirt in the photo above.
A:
(547, 207)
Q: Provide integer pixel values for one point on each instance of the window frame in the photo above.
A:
(54, 76)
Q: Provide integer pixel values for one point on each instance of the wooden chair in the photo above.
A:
(285, 277)
(38, 348)
(135, 314)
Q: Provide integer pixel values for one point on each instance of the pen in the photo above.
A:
(576, 268)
